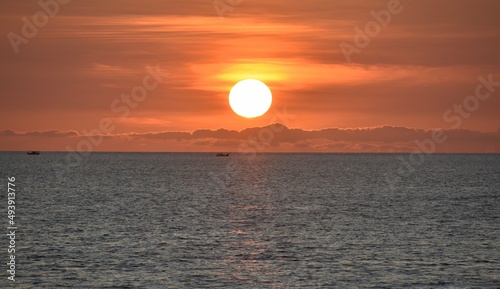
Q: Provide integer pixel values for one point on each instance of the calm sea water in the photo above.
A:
(134, 220)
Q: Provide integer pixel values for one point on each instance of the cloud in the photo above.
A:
(283, 134)
(216, 134)
(7, 132)
(48, 133)
(279, 138)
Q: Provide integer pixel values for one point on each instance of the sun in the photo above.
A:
(250, 98)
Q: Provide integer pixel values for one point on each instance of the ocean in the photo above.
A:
(194, 220)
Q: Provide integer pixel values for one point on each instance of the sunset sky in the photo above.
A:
(70, 75)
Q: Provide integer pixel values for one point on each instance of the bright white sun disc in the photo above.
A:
(250, 98)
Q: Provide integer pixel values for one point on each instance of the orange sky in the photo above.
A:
(64, 80)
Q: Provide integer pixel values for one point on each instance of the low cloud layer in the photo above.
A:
(48, 133)
(272, 138)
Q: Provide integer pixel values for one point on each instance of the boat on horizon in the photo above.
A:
(222, 155)
(33, 153)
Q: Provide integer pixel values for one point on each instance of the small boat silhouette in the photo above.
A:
(222, 155)
(33, 153)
